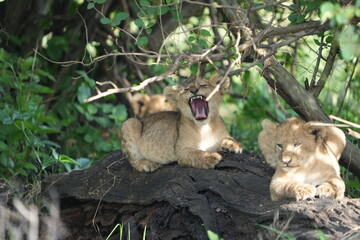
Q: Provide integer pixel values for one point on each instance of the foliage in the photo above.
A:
(48, 125)
(31, 133)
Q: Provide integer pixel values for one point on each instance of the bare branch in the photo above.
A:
(328, 67)
(270, 4)
(320, 124)
(313, 79)
(136, 88)
(237, 61)
(332, 117)
(352, 133)
(347, 86)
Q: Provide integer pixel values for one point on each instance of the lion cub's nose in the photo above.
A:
(194, 90)
(286, 161)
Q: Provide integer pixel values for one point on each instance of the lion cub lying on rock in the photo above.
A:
(305, 156)
(190, 137)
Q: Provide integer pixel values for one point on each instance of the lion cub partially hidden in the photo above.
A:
(305, 156)
(190, 137)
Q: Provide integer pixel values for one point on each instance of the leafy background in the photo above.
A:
(47, 126)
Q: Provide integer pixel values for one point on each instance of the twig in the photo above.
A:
(328, 66)
(352, 133)
(332, 117)
(270, 4)
(347, 87)
(320, 124)
(237, 60)
(313, 79)
(135, 88)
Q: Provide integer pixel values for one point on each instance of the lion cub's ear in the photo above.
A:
(266, 141)
(269, 126)
(215, 79)
(172, 93)
(312, 128)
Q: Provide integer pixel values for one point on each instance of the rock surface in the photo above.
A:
(176, 202)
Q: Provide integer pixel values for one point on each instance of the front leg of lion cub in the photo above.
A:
(333, 188)
(197, 158)
(282, 189)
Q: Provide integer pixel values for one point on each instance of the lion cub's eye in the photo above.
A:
(296, 145)
(279, 145)
(187, 89)
(203, 85)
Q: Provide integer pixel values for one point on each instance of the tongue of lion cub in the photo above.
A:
(199, 107)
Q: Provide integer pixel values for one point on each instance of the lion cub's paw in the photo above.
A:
(211, 160)
(326, 190)
(304, 191)
(230, 145)
(146, 166)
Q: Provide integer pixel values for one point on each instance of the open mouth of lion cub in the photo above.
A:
(199, 107)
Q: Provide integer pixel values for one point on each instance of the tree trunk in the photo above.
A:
(176, 202)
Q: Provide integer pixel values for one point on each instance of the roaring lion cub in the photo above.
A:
(190, 137)
(305, 156)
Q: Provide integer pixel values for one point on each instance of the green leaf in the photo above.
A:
(191, 38)
(100, 1)
(67, 159)
(83, 163)
(163, 10)
(329, 39)
(90, 5)
(148, 30)
(47, 162)
(142, 41)
(144, 3)
(83, 93)
(43, 129)
(194, 69)
(105, 20)
(317, 42)
(300, 19)
(119, 113)
(202, 43)
(4, 157)
(3, 146)
(213, 236)
(103, 122)
(119, 17)
(37, 88)
(29, 166)
(139, 23)
(5, 117)
(292, 17)
(106, 107)
(353, 184)
(103, 146)
(88, 138)
(45, 74)
(205, 33)
(92, 109)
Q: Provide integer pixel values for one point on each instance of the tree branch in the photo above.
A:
(328, 67)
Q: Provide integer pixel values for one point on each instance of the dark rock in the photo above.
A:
(183, 203)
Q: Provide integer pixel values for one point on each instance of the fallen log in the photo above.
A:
(176, 202)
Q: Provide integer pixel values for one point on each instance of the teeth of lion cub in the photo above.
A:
(196, 97)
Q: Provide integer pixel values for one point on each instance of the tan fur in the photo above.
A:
(144, 104)
(305, 157)
(167, 137)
